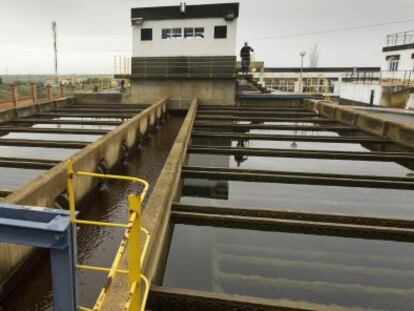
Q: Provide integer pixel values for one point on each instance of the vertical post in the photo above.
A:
(115, 71)
(33, 89)
(14, 95)
(64, 277)
(49, 93)
(134, 251)
(166, 67)
(71, 191)
(62, 90)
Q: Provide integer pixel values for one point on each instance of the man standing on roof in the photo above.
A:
(245, 57)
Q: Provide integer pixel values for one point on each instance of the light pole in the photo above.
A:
(302, 55)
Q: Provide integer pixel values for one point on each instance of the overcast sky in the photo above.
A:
(91, 32)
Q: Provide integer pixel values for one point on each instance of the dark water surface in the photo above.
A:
(52, 136)
(36, 152)
(97, 246)
(309, 198)
(375, 168)
(352, 273)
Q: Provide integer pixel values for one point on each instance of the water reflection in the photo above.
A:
(14, 178)
(36, 152)
(373, 275)
(374, 168)
(52, 136)
(309, 198)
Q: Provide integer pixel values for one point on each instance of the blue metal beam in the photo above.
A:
(51, 229)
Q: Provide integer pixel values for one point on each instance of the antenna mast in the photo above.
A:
(55, 50)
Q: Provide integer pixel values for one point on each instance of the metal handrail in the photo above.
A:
(400, 38)
(384, 77)
(131, 238)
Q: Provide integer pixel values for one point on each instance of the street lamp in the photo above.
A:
(302, 55)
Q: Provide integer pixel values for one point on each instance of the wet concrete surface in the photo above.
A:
(97, 246)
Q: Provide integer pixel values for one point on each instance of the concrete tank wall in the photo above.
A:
(44, 190)
(399, 132)
(25, 111)
(156, 216)
(207, 91)
(395, 98)
(98, 98)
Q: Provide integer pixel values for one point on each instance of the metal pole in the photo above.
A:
(301, 75)
(302, 55)
(55, 50)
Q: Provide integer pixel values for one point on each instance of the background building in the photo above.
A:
(183, 52)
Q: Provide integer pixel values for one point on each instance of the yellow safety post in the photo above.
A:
(71, 191)
(134, 252)
(131, 239)
(253, 63)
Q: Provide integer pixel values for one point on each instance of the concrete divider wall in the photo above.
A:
(156, 215)
(25, 111)
(208, 91)
(44, 190)
(269, 102)
(399, 132)
(99, 98)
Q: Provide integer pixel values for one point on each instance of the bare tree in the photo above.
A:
(314, 56)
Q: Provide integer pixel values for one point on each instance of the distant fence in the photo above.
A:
(309, 85)
(403, 78)
(12, 95)
(184, 67)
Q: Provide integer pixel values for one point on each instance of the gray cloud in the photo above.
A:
(91, 32)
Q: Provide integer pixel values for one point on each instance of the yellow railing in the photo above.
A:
(131, 238)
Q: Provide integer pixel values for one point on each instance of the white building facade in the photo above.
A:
(392, 87)
(192, 31)
(399, 52)
(184, 52)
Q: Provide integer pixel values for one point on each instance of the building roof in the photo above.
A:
(192, 11)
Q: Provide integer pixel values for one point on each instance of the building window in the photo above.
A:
(171, 33)
(188, 33)
(166, 33)
(220, 32)
(177, 33)
(199, 32)
(146, 34)
(392, 62)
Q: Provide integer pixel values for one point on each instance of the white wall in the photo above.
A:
(406, 63)
(410, 102)
(360, 92)
(207, 46)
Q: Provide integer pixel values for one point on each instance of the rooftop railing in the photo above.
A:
(399, 38)
(403, 78)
